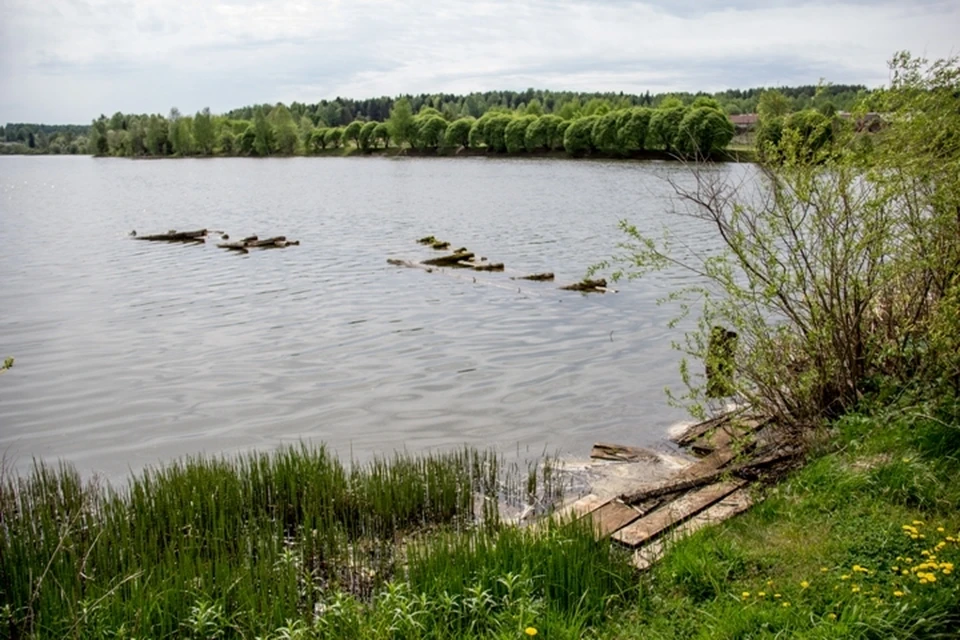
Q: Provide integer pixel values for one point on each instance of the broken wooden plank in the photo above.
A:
(622, 453)
(725, 434)
(176, 236)
(580, 507)
(586, 286)
(449, 260)
(537, 277)
(734, 504)
(612, 516)
(672, 513)
(695, 431)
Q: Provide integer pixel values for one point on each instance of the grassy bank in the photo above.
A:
(862, 543)
(268, 545)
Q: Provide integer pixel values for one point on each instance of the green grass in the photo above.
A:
(827, 548)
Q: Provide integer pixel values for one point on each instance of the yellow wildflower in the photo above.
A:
(804, 584)
(745, 594)
(831, 616)
(761, 594)
(855, 589)
(776, 595)
(905, 572)
(824, 569)
(530, 631)
(896, 569)
(898, 594)
(918, 523)
(845, 577)
(785, 604)
(940, 529)
(947, 572)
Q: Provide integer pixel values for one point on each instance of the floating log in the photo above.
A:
(482, 266)
(408, 263)
(176, 236)
(427, 240)
(440, 246)
(537, 277)
(464, 250)
(450, 260)
(225, 237)
(586, 286)
(622, 453)
(266, 242)
(233, 246)
(276, 242)
(250, 239)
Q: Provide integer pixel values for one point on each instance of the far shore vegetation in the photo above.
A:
(840, 273)
(530, 122)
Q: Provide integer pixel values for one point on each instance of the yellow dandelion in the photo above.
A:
(909, 560)
(831, 616)
(924, 553)
(918, 523)
(769, 583)
(914, 536)
(776, 595)
(804, 584)
(940, 529)
(761, 594)
(745, 594)
(947, 572)
(855, 589)
(785, 604)
(931, 577)
(530, 631)
(898, 594)
(923, 581)
(896, 569)
(922, 537)
(845, 577)
(824, 569)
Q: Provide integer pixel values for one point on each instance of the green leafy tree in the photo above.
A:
(596, 107)
(578, 138)
(366, 139)
(334, 137)
(305, 132)
(285, 134)
(430, 130)
(534, 108)
(665, 125)
(97, 141)
(318, 139)
(706, 101)
(382, 133)
(516, 132)
(227, 142)
(203, 134)
(542, 134)
(458, 133)
(704, 130)
(495, 132)
(247, 140)
(182, 136)
(773, 104)
(570, 109)
(402, 127)
(156, 139)
(632, 134)
(352, 132)
(605, 132)
(263, 140)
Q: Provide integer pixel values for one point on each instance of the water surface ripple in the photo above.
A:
(131, 353)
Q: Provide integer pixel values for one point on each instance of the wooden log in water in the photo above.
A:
(233, 246)
(427, 240)
(536, 277)
(451, 260)
(586, 286)
(266, 241)
(176, 236)
(440, 245)
(481, 266)
(622, 453)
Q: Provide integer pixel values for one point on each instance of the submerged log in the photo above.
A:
(481, 266)
(537, 277)
(243, 246)
(586, 286)
(233, 246)
(622, 453)
(427, 240)
(440, 246)
(250, 239)
(176, 236)
(449, 260)
(266, 242)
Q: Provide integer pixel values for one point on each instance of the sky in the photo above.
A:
(68, 61)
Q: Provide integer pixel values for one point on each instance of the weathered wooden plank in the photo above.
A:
(612, 516)
(581, 507)
(696, 431)
(735, 503)
(672, 513)
(622, 453)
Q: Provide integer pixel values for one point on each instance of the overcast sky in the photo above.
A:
(67, 61)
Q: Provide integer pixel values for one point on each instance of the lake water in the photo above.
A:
(132, 353)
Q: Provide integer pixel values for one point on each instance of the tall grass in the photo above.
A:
(246, 547)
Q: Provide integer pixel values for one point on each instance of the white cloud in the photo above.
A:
(70, 60)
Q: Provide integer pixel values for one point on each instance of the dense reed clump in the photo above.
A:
(248, 547)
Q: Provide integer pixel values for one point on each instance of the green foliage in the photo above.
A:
(366, 139)
(203, 133)
(318, 139)
(836, 272)
(285, 134)
(352, 132)
(430, 130)
(516, 132)
(703, 131)
(458, 133)
(7, 364)
(665, 126)
(382, 133)
(605, 131)
(578, 138)
(494, 133)
(333, 137)
(181, 136)
(402, 127)
(534, 108)
(633, 129)
(541, 134)
(263, 134)
(773, 104)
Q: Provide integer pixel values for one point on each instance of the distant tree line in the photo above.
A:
(19, 137)
(609, 123)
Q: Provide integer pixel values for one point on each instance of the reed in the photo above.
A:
(272, 544)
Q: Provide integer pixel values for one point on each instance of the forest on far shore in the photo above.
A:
(527, 121)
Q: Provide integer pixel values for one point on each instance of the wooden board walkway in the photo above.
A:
(707, 492)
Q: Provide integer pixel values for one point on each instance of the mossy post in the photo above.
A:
(720, 361)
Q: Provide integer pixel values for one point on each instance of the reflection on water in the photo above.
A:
(129, 353)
